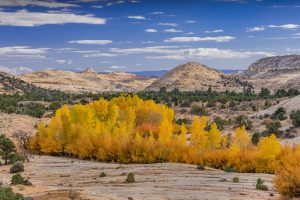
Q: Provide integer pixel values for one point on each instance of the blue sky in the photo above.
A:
(137, 35)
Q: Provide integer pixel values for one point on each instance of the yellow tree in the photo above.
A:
(198, 134)
(214, 137)
(269, 147)
(242, 138)
(182, 136)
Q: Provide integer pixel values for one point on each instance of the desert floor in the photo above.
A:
(153, 181)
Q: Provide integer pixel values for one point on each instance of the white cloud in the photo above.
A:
(115, 3)
(262, 28)
(168, 24)
(94, 55)
(257, 28)
(22, 52)
(41, 3)
(30, 19)
(138, 17)
(167, 57)
(98, 7)
(200, 39)
(153, 49)
(176, 53)
(134, 1)
(16, 70)
(172, 30)
(117, 67)
(190, 33)
(151, 30)
(215, 31)
(69, 62)
(285, 26)
(157, 13)
(190, 21)
(96, 42)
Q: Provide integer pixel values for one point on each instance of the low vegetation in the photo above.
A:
(36, 102)
(18, 179)
(17, 168)
(6, 193)
(130, 178)
(260, 185)
(8, 151)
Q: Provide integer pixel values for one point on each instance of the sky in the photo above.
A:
(144, 35)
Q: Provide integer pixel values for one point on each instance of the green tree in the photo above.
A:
(295, 117)
(7, 147)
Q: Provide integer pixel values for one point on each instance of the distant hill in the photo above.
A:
(270, 66)
(278, 72)
(194, 76)
(10, 84)
(87, 81)
(160, 73)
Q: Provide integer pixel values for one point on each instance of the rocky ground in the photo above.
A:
(54, 177)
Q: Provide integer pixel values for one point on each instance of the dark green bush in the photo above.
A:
(15, 157)
(279, 114)
(130, 178)
(18, 179)
(7, 147)
(295, 117)
(260, 185)
(274, 127)
(103, 174)
(255, 138)
(17, 168)
(6, 193)
(235, 180)
(200, 167)
(243, 120)
(197, 110)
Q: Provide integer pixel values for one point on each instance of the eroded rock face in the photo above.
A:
(274, 65)
(278, 72)
(194, 76)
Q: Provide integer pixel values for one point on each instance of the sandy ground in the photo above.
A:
(153, 181)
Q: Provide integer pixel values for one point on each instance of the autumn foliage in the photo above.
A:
(128, 129)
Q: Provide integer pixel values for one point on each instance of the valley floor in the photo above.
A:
(153, 181)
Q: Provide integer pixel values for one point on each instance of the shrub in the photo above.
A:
(295, 117)
(7, 147)
(287, 175)
(16, 157)
(235, 180)
(17, 167)
(55, 105)
(197, 110)
(243, 120)
(260, 185)
(255, 138)
(221, 123)
(103, 174)
(130, 178)
(229, 169)
(274, 127)
(18, 179)
(200, 167)
(6, 193)
(279, 114)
